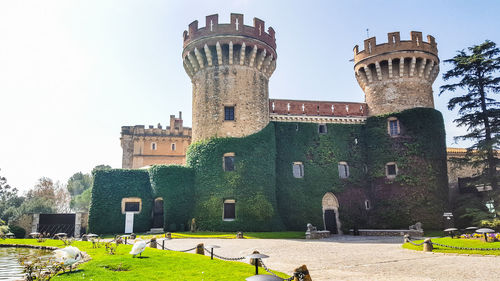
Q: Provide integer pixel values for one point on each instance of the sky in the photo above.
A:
(73, 72)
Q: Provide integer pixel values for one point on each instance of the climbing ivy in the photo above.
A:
(251, 184)
(109, 187)
(174, 184)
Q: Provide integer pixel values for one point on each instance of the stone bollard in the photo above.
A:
(239, 235)
(428, 245)
(200, 249)
(168, 235)
(132, 235)
(152, 244)
(252, 261)
(301, 272)
(84, 238)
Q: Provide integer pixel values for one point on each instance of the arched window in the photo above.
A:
(153, 146)
(367, 204)
(173, 147)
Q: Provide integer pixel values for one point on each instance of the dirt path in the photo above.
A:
(355, 258)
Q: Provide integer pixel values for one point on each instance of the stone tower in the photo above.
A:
(229, 66)
(397, 75)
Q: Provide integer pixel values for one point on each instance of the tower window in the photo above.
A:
(367, 204)
(229, 113)
(343, 170)
(228, 162)
(391, 170)
(298, 170)
(173, 147)
(393, 127)
(229, 210)
(322, 128)
(153, 146)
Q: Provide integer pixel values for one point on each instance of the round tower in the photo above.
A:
(397, 75)
(229, 66)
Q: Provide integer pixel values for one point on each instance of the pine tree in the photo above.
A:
(478, 72)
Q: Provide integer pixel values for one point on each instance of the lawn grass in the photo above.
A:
(155, 264)
(469, 243)
(224, 235)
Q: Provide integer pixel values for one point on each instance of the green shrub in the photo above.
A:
(493, 224)
(18, 231)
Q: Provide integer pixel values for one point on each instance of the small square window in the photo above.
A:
(298, 170)
(391, 170)
(132, 206)
(229, 113)
(322, 129)
(229, 210)
(228, 162)
(343, 170)
(153, 146)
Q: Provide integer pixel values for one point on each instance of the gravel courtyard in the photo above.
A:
(354, 258)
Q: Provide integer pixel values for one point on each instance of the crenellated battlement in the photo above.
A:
(394, 44)
(397, 75)
(235, 27)
(229, 44)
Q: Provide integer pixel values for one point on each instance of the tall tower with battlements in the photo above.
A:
(397, 75)
(229, 66)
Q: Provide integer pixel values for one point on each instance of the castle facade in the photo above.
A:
(264, 164)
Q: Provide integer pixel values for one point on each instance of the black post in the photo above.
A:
(163, 245)
(212, 253)
(256, 266)
(125, 239)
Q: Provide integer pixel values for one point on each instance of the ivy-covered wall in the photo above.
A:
(252, 183)
(269, 198)
(419, 191)
(175, 185)
(110, 186)
(299, 199)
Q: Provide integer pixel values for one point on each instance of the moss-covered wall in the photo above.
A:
(419, 191)
(251, 184)
(110, 186)
(175, 185)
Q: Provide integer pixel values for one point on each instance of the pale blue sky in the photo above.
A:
(73, 72)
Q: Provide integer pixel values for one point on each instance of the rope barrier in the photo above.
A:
(454, 247)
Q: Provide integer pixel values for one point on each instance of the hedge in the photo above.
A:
(109, 187)
(175, 185)
(251, 184)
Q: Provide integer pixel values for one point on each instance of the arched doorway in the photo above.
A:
(331, 220)
(158, 213)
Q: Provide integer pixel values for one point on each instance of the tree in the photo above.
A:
(46, 197)
(478, 72)
(9, 201)
(80, 188)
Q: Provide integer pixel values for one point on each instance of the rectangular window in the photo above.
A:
(343, 170)
(322, 129)
(391, 169)
(393, 127)
(229, 210)
(228, 163)
(229, 113)
(132, 206)
(298, 170)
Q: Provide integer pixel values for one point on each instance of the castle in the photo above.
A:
(264, 164)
